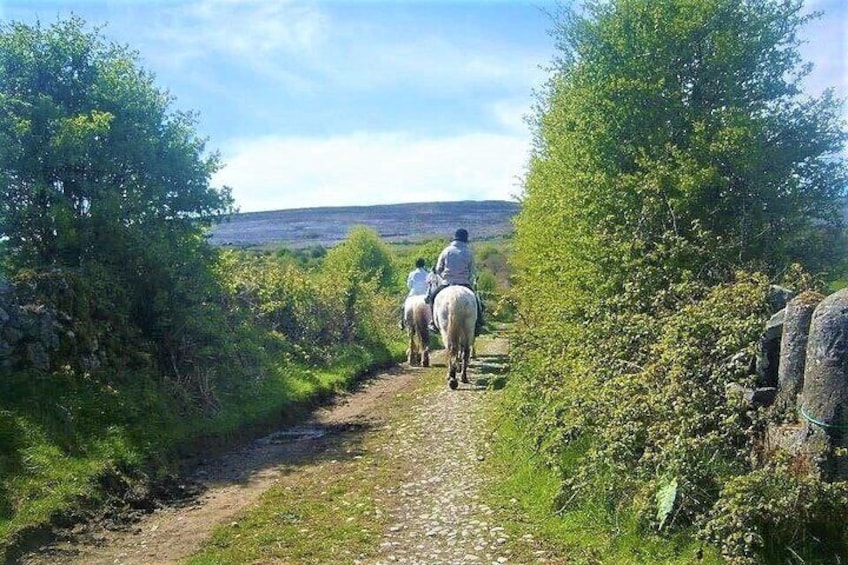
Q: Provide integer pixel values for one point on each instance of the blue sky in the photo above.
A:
(315, 103)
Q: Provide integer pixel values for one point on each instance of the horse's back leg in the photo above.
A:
(425, 348)
(466, 353)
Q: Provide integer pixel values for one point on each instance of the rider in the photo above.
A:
(417, 283)
(455, 265)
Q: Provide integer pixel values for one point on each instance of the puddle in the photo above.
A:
(293, 434)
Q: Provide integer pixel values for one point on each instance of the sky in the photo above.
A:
(362, 102)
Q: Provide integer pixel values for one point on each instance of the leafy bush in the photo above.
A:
(773, 511)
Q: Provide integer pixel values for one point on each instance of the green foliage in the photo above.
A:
(586, 534)
(774, 511)
(657, 176)
(363, 257)
(651, 155)
(93, 162)
(361, 271)
(287, 300)
(100, 179)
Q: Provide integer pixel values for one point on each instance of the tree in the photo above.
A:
(674, 138)
(361, 267)
(363, 256)
(92, 160)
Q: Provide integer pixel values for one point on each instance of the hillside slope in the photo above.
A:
(394, 222)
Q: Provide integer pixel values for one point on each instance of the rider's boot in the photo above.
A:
(432, 325)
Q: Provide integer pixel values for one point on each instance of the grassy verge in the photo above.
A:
(524, 489)
(60, 461)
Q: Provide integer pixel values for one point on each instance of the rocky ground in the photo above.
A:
(425, 446)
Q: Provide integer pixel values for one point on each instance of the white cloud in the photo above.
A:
(512, 114)
(311, 47)
(254, 34)
(371, 168)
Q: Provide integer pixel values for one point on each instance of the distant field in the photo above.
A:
(489, 219)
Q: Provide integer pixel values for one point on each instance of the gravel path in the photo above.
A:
(440, 517)
(438, 511)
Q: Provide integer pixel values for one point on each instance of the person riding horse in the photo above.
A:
(417, 282)
(455, 265)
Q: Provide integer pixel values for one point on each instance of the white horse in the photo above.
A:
(416, 315)
(455, 310)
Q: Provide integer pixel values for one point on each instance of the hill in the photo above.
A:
(304, 227)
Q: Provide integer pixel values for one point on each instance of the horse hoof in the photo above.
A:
(453, 384)
(464, 379)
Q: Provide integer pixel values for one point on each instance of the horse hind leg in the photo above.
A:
(451, 362)
(410, 351)
(423, 341)
(466, 352)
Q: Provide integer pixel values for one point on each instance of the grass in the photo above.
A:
(524, 489)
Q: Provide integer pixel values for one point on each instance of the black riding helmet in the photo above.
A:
(461, 235)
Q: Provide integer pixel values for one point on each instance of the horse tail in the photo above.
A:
(421, 322)
(461, 320)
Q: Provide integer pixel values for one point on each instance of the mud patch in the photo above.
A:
(298, 433)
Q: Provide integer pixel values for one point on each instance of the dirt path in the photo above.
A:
(432, 509)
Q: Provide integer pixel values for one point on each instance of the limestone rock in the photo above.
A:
(824, 396)
(778, 297)
(768, 351)
(793, 350)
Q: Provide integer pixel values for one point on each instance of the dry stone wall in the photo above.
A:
(29, 333)
(808, 337)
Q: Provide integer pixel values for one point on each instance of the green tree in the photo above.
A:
(363, 256)
(360, 268)
(674, 137)
(98, 175)
(92, 159)
(102, 181)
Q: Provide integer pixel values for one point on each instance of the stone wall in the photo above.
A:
(29, 333)
(803, 359)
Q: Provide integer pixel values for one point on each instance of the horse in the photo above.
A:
(416, 315)
(455, 310)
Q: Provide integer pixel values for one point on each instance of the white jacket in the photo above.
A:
(416, 282)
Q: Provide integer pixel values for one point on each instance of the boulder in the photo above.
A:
(778, 297)
(753, 397)
(824, 395)
(793, 350)
(768, 351)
